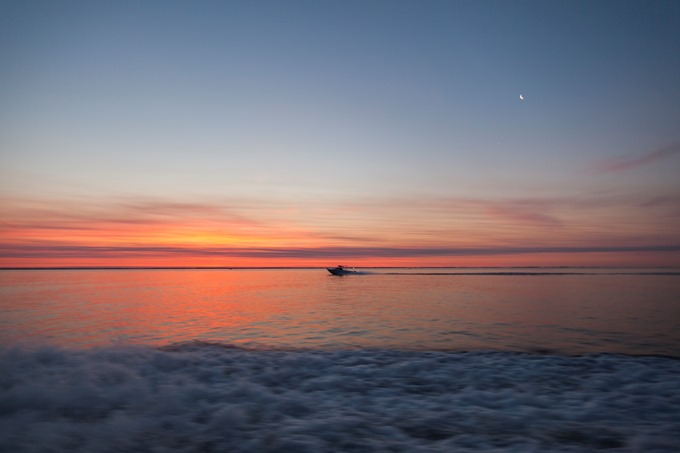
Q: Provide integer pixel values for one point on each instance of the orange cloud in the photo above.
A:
(410, 232)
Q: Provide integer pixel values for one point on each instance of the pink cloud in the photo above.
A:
(626, 163)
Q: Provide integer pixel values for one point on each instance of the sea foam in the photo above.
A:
(203, 397)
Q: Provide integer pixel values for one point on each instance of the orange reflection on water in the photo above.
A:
(151, 306)
(412, 309)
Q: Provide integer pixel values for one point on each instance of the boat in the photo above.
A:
(341, 270)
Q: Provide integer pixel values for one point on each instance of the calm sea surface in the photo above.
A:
(570, 311)
(301, 361)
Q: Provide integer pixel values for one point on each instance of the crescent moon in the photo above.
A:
(521, 97)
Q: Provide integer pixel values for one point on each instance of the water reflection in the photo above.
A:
(311, 309)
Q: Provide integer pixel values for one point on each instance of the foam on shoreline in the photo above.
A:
(203, 397)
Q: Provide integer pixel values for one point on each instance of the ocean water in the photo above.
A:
(298, 360)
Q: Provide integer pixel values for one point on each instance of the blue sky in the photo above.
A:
(325, 105)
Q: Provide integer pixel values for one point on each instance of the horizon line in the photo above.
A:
(39, 268)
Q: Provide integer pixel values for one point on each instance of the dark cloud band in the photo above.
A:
(76, 251)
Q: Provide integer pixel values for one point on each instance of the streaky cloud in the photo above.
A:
(426, 229)
(83, 251)
(627, 163)
(523, 213)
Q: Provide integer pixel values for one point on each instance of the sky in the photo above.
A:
(311, 133)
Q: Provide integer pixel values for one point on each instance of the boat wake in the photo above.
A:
(529, 273)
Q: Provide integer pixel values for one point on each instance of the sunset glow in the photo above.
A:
(242, 134)
(432, 233)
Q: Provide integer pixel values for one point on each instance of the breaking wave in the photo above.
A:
(208, 397)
